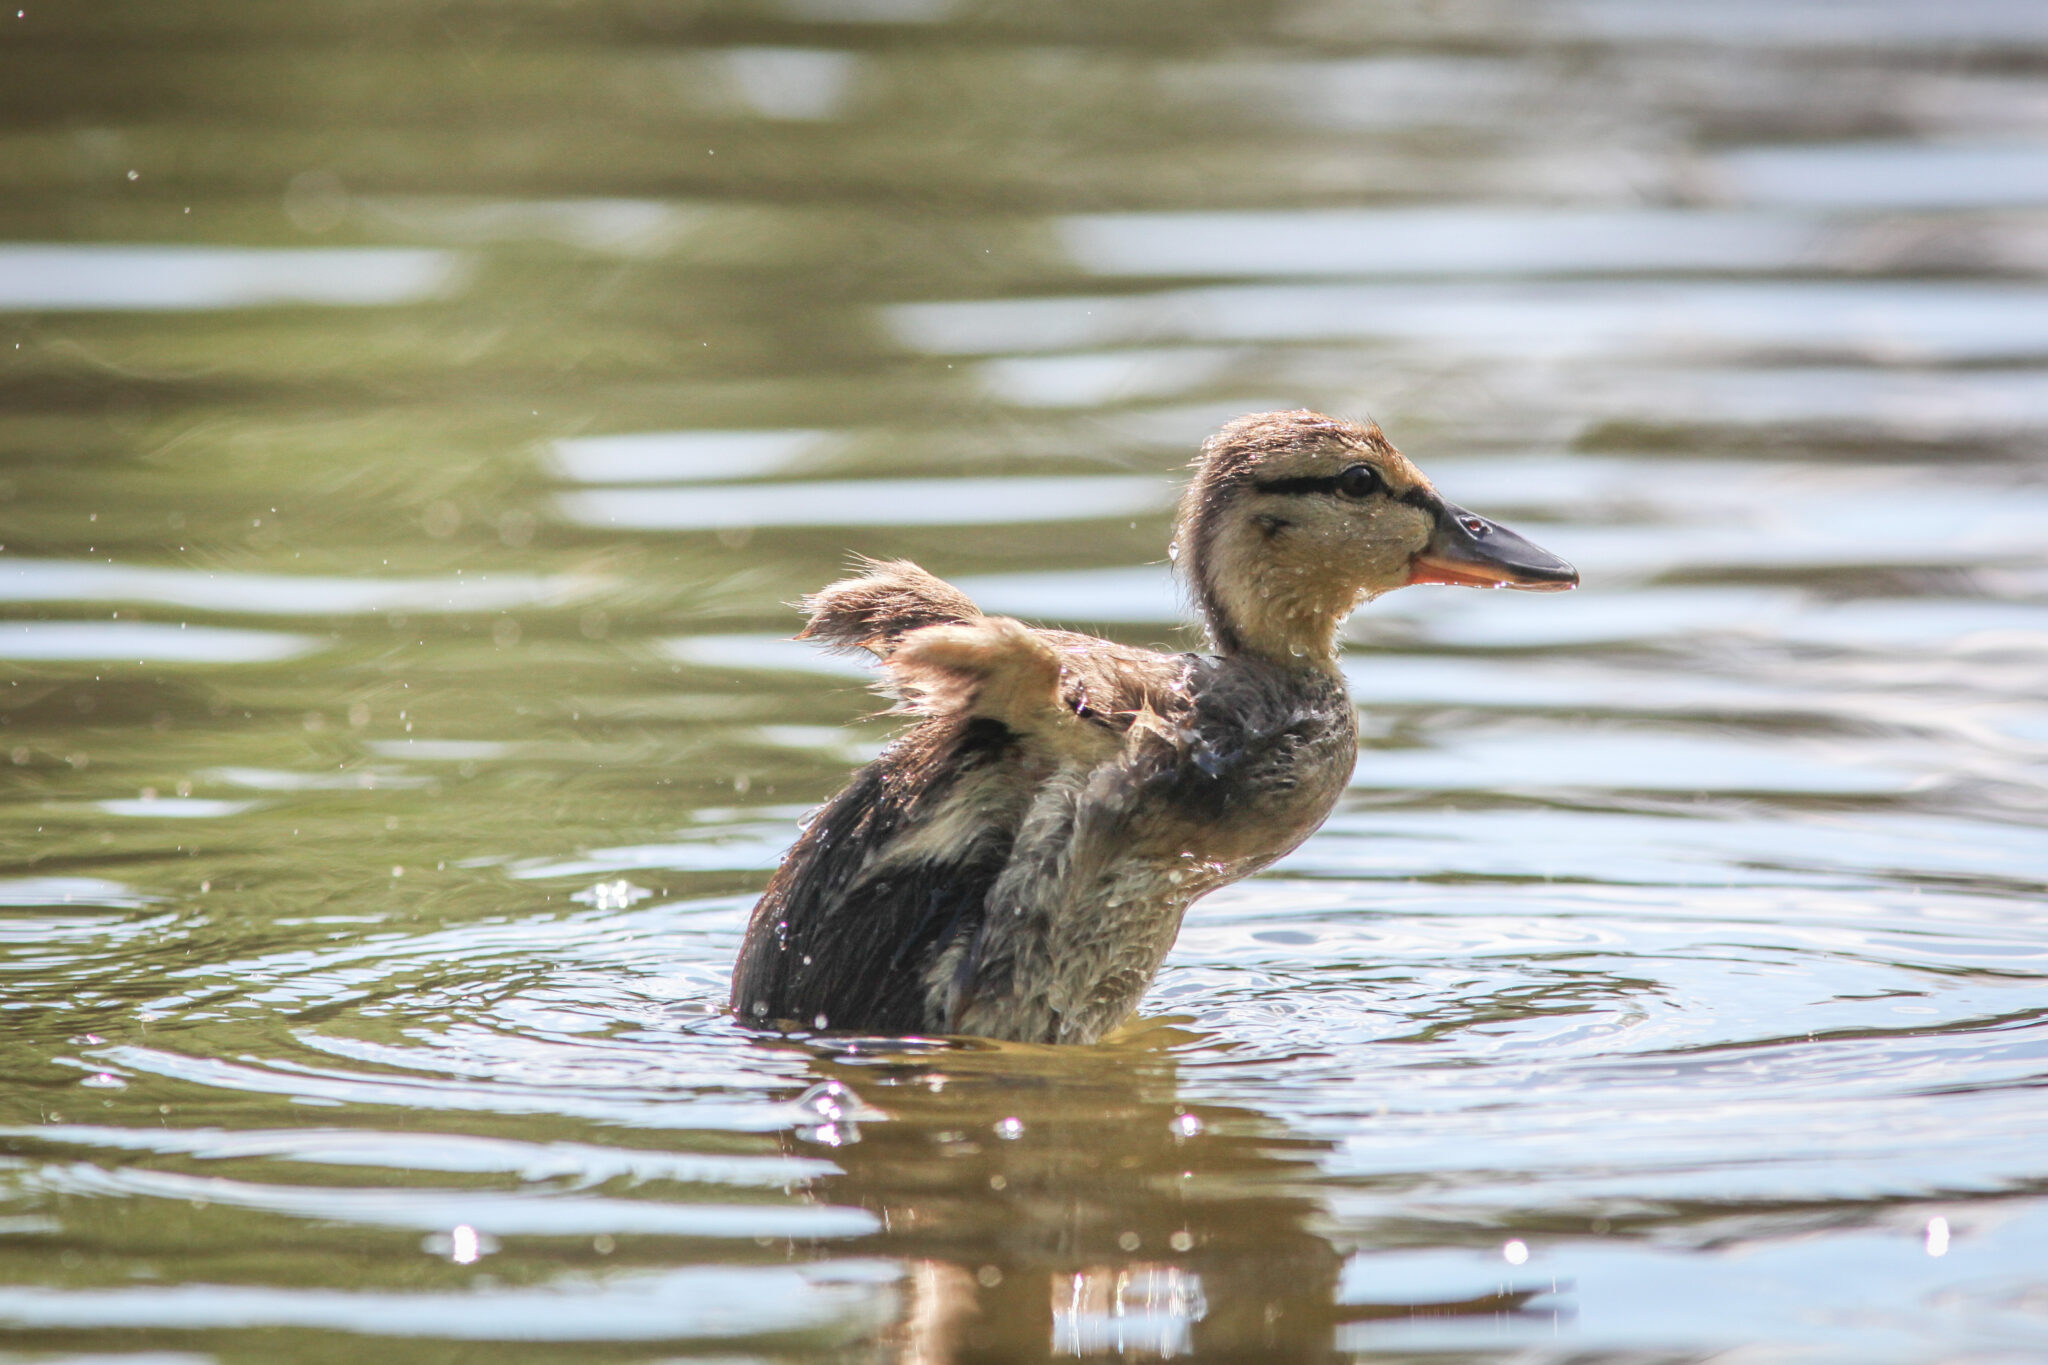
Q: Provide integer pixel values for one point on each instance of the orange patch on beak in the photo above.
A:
(1423, 569)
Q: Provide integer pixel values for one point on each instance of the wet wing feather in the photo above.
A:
(846, 932)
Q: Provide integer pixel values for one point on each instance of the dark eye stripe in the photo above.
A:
(1302, 485)
(1420, 498)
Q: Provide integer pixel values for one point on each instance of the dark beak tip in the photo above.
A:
(1474, 551)
(1561, 579)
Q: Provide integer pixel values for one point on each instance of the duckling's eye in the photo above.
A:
(1359, 481)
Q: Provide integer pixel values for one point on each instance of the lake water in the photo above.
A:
(413, 420)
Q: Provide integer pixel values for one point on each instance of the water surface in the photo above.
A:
(413, 424)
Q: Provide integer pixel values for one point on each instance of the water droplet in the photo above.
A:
(989, 1276)
(613, 895)
(819, 1021)
(1515, 1251)
(1130, 1241)
(462, 1244)
(104, 1080)
(1187, 1125)
(1181, 1241)
(1937, 1236)
(833, 1106)
(1010, 1129)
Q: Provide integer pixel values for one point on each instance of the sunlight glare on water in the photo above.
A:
(416, 426)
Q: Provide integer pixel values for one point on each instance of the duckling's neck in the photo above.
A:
(1269, 611)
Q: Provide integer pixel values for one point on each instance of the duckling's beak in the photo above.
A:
(1468, 549)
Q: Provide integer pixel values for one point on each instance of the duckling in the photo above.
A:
(1016, 866)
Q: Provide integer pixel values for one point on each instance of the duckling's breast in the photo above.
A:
(1262, 757)
(1268, 752)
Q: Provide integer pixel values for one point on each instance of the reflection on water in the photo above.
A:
(1132, 1222)
(175, 807)
(1759, 23)
(686, 456)
(415, 426)
(1893, 175)
(1879, 322)
(770, 652)
(871, 502)
(1871, 404)
(37, 278)
(144, 642)
(1438, 242)
(620, 227)
(823, 1302)
(778, 82)
(1096, 378)
(56, 580)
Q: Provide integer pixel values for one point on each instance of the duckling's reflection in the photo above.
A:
(1067, 1202)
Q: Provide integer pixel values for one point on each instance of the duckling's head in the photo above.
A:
(1294, 518)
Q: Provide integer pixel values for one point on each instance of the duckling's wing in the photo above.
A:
(875, 609)
(894, 867)
(1069, 699)
(1118, 683)
(1001, 671)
